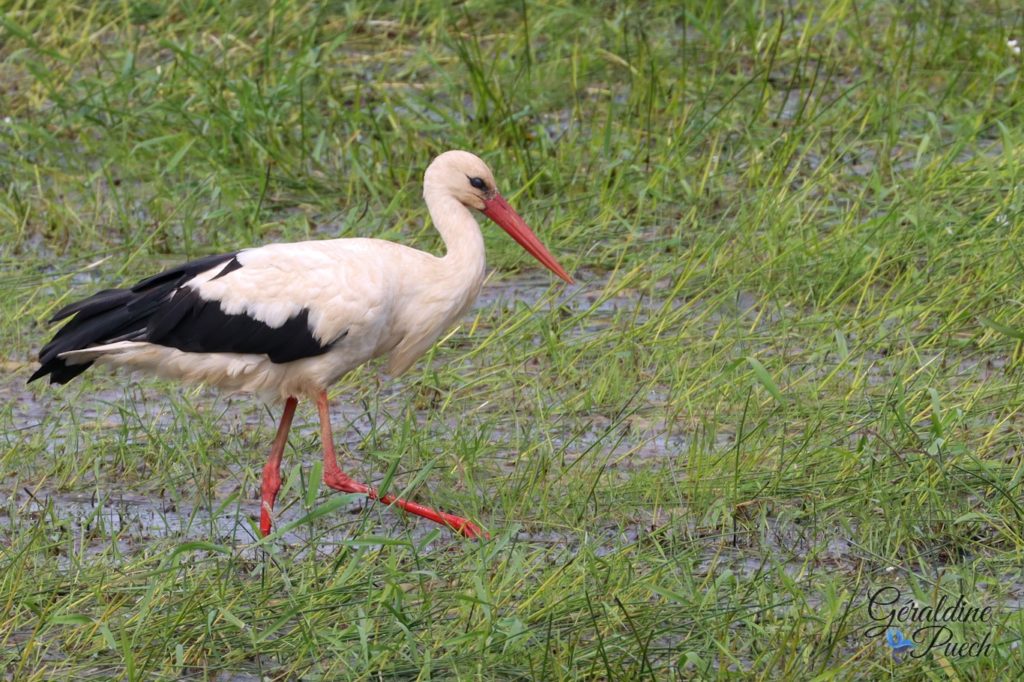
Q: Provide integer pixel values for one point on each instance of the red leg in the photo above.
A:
(272, 469)
(335, 478)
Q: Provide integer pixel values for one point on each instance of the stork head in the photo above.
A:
(462, 175)
(467, 178)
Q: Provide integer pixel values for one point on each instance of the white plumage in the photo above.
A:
(288, 320)
(365, 289)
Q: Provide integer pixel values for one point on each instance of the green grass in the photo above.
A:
(790, 373)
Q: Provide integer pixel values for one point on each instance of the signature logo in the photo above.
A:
(899, 644)
(929, 627)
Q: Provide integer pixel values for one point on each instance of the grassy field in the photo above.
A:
(789, 376)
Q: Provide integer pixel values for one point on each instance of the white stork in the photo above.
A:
(288, 320)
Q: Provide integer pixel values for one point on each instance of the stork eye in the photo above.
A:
(478, 183)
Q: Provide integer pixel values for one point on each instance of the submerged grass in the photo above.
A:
(789, 376)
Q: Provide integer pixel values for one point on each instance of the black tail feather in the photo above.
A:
(112, 315)
(97, 303)
(60, 372)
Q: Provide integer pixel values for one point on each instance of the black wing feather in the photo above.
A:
(175, 277)
(190, 323)
(159, 309)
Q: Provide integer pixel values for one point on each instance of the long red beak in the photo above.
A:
(498, 210)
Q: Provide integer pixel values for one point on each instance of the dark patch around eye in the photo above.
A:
(478, 183)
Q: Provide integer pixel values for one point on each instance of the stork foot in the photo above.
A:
(272, 469)
(338, 480)
(271, 484)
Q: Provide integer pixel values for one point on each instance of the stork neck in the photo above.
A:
(459, 230)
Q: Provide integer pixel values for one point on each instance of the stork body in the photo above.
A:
(287, 320)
